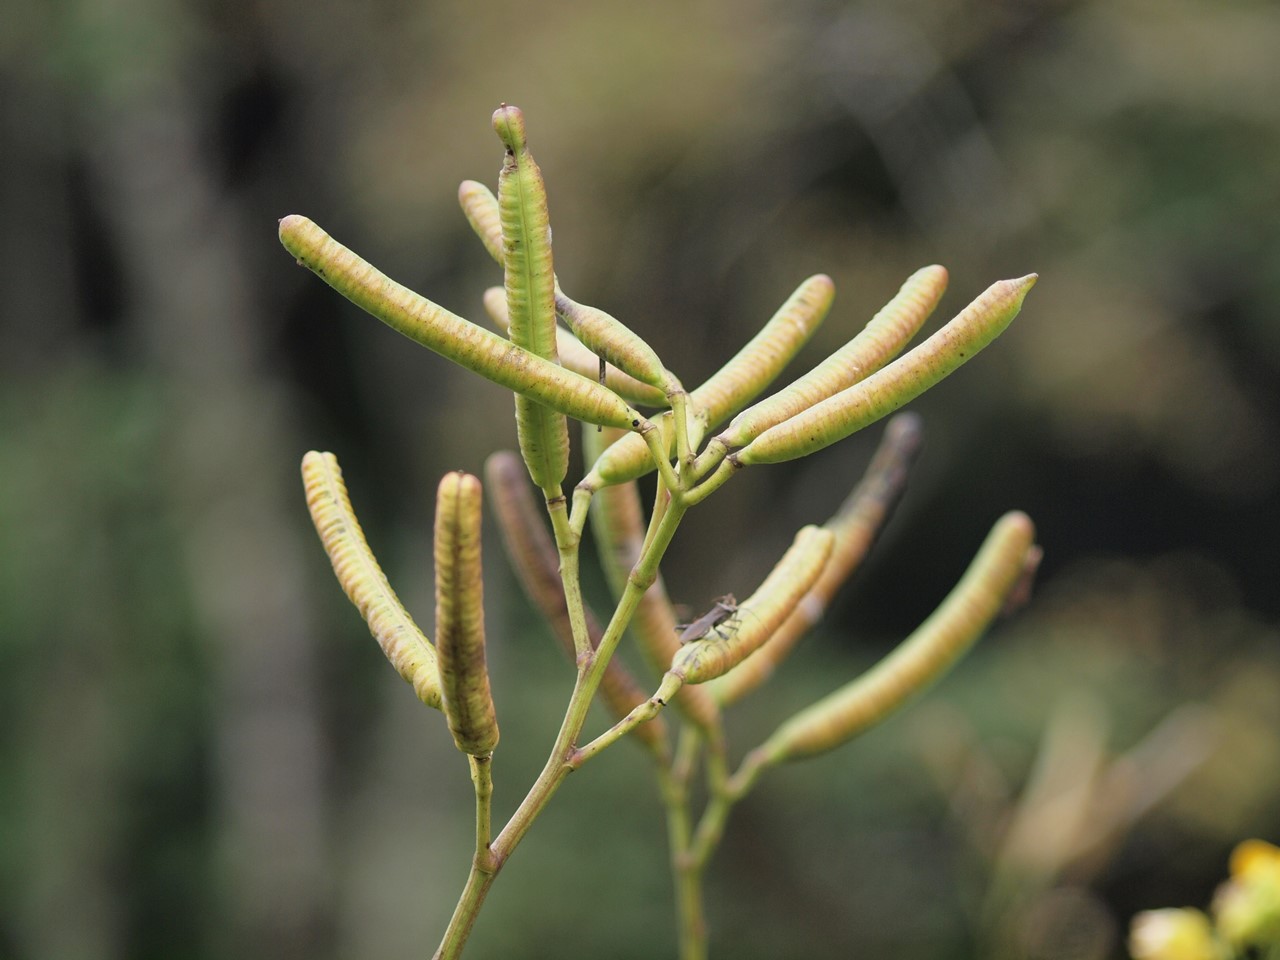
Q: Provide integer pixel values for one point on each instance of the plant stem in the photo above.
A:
(558, 766)
(567, 544)
(690, 920)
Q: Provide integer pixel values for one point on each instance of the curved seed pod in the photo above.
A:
(895, 385)
(480, 207)
(464, 675)
(362, 579)
(449, 335)
(878, 342)
(610, 338)
(617, 520)
(855, 526)
(919, 660)
(536, 563)
(735, 384)
(758, 363)
(574, 356)
(761, 614)
(530, 286)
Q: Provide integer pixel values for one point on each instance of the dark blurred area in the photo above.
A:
(203, 754)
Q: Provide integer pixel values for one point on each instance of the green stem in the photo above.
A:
(567, 544)
(642, 713)
(559, 765)
(686, 878)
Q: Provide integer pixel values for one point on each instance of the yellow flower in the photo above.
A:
(1247, 906)
(1172, 935)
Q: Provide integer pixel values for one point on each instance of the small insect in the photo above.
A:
(724, 609)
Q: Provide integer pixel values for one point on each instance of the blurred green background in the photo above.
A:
(202, 753)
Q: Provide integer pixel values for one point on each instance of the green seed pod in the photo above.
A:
(734, 385)
(481, 209)
(758, 364)
(466, 344)
(536, 563)
(922, 658)
(530, 288)
(574, 356)
(617, 520)
(761, 614)
(464, 676)
(895, 385)
(878, 342)
(362, 579)
(855, 526)
(610, 338)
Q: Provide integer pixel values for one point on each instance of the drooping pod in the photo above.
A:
(363, 580)
(762, 613)
(609, 338)
(735, 384)
(892, 386)
(536, 564)
(920, 659)
(460, 641)
(530, 287)
(466, 344)
(617, 521)
(576, 357)
(855, 526)
(879, 341)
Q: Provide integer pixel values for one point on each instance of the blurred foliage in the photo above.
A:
(203, 755)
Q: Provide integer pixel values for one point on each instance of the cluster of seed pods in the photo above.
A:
(563, 360)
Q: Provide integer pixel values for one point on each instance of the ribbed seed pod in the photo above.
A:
(617, 521)
(735, 384)
(761, 614)
(536, 564)
(919, 660)
(530, 287)
(362, 579)
(466, 344)
(877, 343)
(480, 207)
(464, 674)
(855, 526)
(576, 357)
(893, 386)
(610, 338)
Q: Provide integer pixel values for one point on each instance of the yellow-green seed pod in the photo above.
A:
(617, 520)
(536, 564)
(893, 386)
(574, 356)
(608, 337)
(363, 580)
(464, 674)
(918, 661)
(761, 614)
(855, 526)
(466, 344)
(735, 384)
(758, 364)
(530, 288)
(481, 209)
(877, 343)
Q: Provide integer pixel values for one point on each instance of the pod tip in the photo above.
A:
(508, 123)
